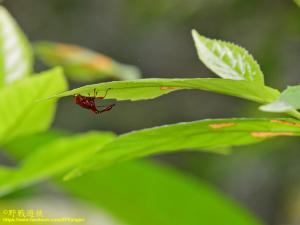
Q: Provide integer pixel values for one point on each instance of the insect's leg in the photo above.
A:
(96, 111)
(107, 108)
(102, 97)
(95, 93)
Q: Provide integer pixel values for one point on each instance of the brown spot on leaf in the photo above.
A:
(271, 134)
(168, 88)
(286, 123)
(221, 125)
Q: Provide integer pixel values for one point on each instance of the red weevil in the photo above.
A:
(89, 102)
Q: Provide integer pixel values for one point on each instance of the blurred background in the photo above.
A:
(155, 36)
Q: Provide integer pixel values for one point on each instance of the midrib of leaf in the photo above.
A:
(25, 112)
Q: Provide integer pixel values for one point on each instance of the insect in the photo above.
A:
(88, 102)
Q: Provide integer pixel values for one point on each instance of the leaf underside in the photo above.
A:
(151, 88)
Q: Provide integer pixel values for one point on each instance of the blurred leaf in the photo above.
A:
(31, 142)
(152, 88)
(277, 106)
(15, 51)
(205, 135)
(297, 2)
(51, 159)
(84, 65)
(58, 155)
(227, 60)
(20, 113)
(287, 101)
(147, 193)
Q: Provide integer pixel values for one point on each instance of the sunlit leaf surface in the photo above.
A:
(227, 60)
(52, 158)
(15, 51)
(20, 113)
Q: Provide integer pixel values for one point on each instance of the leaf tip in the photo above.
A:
(194, 32)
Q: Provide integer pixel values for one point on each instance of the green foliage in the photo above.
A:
(15, 51)
(139, 189)
(20, 113)
(227, 60)
(205, 135)
(31, 142)
(151, 88)
(51, 158)
(41, 156)
(81, 64)
(287, 101)
(244, 79)
(59, 154)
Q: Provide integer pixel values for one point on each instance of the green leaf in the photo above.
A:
(277, 106)
(205, 135)
(170, 197)
(15, 51)
(152, 88)
(52, 158)
(297, 2)
(227, 60)
(20, 113)
(31, 142)
(288, 102)
(84, 65)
